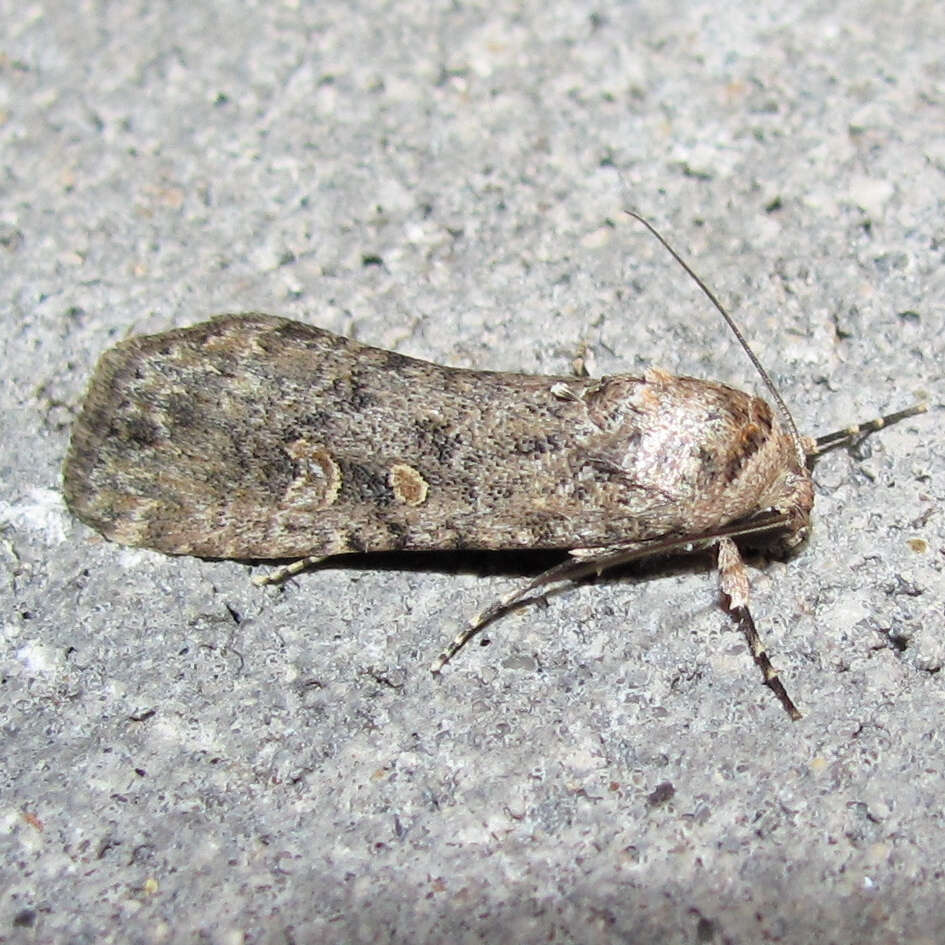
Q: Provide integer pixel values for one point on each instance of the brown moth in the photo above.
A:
(255, 437)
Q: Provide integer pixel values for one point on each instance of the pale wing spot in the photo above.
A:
(318, 480)
(408, 485)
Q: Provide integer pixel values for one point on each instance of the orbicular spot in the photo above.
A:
(408, 485)
(317, 480)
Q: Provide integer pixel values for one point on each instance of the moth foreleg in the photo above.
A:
(856, 431)
(733, 578)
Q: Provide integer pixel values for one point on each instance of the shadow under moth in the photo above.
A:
(255, 437)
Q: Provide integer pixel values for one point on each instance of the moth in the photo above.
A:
(255, 437)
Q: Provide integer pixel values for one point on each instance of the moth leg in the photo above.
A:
(830, 441)
(580, 360)
(587, 561)
(288, 570)
(502, 606)
(733, 578)
(596, 562)
(519, 597)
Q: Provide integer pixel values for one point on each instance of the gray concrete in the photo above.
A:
(188, 757)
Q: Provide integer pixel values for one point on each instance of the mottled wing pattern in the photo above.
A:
(251, 436)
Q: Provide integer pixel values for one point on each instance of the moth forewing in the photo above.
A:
(255, 437)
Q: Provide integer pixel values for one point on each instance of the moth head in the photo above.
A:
(794, 504)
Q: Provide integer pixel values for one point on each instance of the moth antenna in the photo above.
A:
(782, 406)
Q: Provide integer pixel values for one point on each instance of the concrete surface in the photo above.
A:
(187, 757)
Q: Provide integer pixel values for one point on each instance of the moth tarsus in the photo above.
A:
(859, 431)
(746, 624)
(281, 574)
(254, 437)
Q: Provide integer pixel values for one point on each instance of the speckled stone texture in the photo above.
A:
(188, 757)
